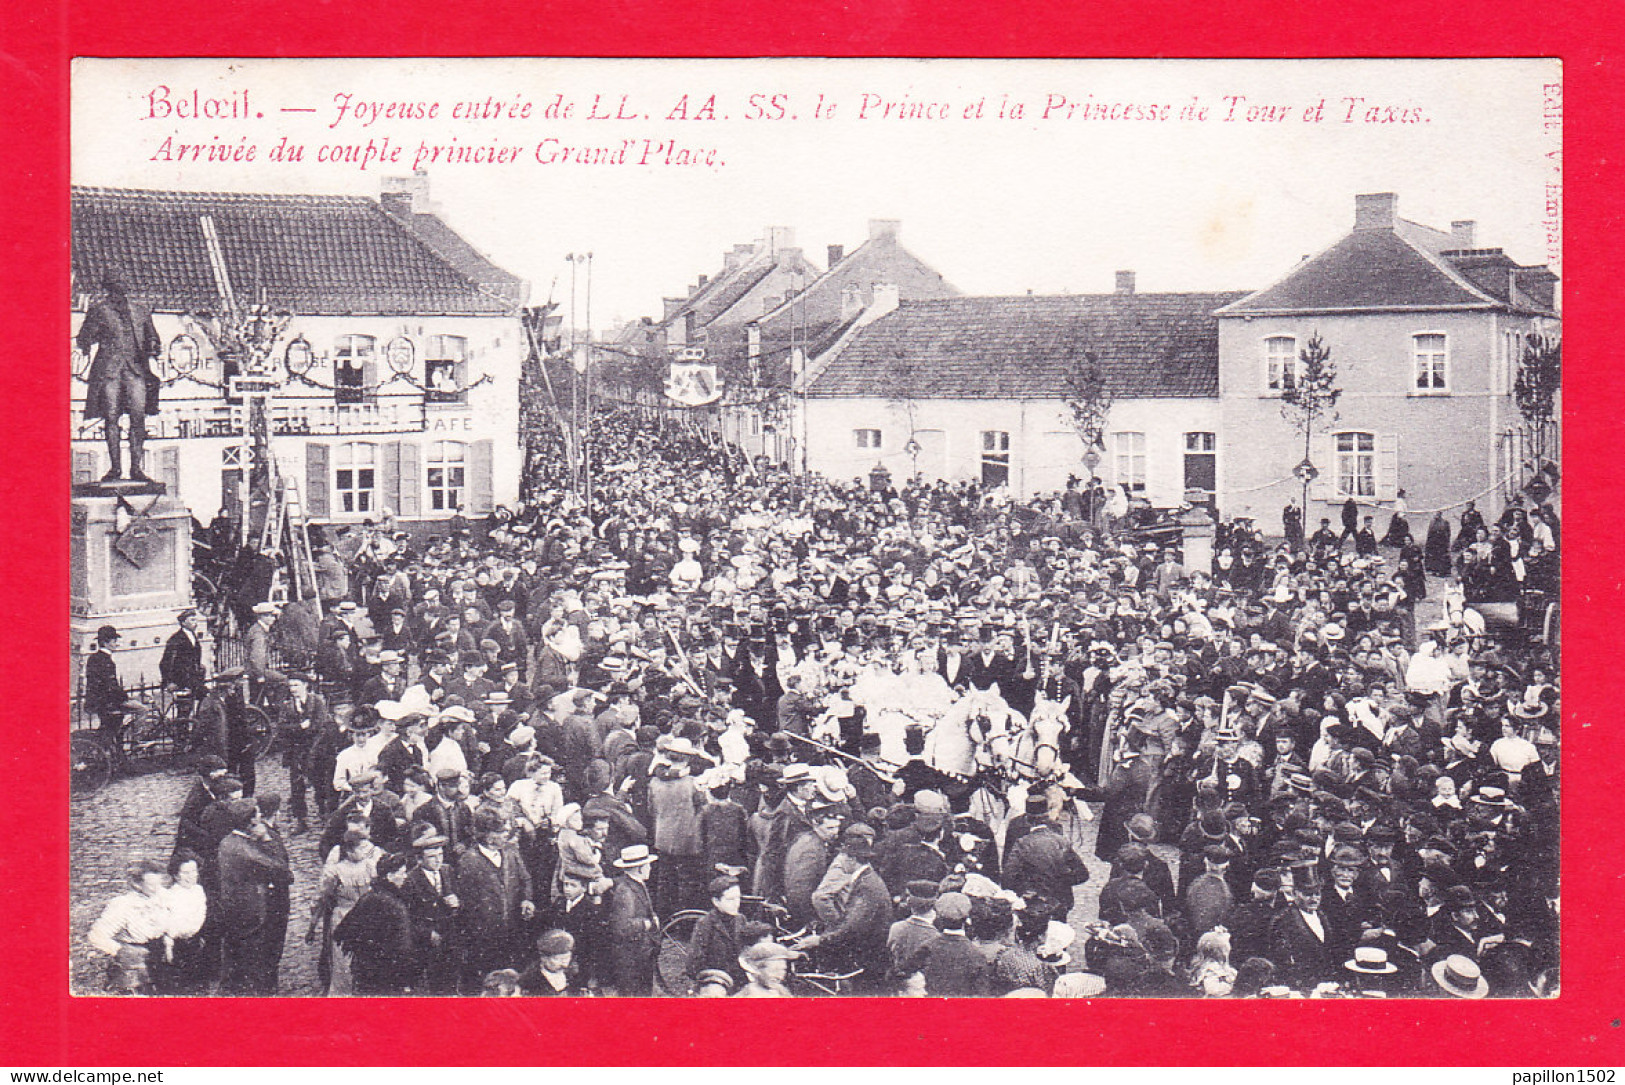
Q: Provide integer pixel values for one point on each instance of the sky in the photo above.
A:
(1105, 168)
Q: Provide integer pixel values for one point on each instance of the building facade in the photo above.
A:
(977, 388)
(397, 372)
(1426, 332)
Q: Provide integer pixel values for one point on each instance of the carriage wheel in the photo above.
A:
(671, 960)
(259, 724)
(90, 765)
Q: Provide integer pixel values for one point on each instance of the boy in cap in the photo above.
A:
(766, 964)
(554, 972)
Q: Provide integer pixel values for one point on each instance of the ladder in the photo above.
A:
(299, 557)
(287, 530)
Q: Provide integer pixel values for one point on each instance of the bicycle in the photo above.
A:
(671, 958)
(160, 733)
(93, 760)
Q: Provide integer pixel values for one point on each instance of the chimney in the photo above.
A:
(1463, 233)
(406, 195)
(1376, 211)
(835, 254)
(884, 229)
(884, 300)
(671, 306)
(703, 279)
(736, 256)
(851, 301)
(1125, 282)
(779, 237)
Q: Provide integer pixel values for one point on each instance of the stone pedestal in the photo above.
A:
(129, 569)
(1197, 531)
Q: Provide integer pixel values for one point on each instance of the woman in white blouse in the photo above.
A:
(185, 969)
(132, 928)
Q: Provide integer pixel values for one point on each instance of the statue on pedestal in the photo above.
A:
(121, 340)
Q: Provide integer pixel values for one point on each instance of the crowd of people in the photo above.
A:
(880, 734)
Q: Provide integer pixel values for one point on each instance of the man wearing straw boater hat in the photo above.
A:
(634, 929)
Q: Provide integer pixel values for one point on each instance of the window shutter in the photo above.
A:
(369, 379)
(1387, 466)
(389, 476)
(317, 476)
(84, 465)
(1324, 488)
(411, 482)
(169, 469)
(479, 478)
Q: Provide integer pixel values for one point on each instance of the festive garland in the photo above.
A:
(363, 389)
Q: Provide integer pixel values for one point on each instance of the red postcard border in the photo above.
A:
(41, 1025)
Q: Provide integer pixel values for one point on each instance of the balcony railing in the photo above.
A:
(297, 419)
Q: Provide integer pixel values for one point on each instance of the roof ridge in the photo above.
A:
(816, 283)
(1440, 262)
(200, 194)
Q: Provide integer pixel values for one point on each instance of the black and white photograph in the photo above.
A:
(798, 528)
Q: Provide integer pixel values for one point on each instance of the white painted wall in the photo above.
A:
(1043, 447)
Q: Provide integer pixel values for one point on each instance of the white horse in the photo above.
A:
(1036, 750)
(963, 739)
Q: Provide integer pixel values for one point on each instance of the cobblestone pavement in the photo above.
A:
(134, 818)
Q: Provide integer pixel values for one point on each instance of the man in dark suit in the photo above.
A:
(447, 814)
(1142, 830)
(1346, 905)
(1298, 939)
(189, 832)
(953, 967)
(104, 695)
(181, 667)
(1045, 862)
(989, 668)
(1250, 921)
(1208, 899)
(432, 902)
(369, 802)
(854, 912)
(509, 632)
(495, 901)
(390, 682)
(400, 632)
(634, 929)
(301, 719)
(249, 875)
(122, 340)
(404, 752)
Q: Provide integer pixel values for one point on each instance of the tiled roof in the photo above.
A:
(1150, 345)
(730, 291)
(452, 247)
(1368, 269)
(310, 254)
